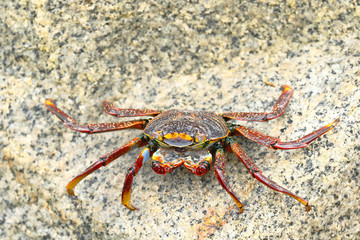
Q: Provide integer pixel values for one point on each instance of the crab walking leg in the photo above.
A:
(105, 160)
(126, 193)
(276, 143)
(256, 173)
(219, 170)
(110, 108)
(277, 110)
(92, 128)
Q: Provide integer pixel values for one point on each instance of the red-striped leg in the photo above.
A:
(276, 143)
(110, 108)
(105, 160)
(219, 170)
(93, 128)
(256, 173)
(277, 110)
(126, 193)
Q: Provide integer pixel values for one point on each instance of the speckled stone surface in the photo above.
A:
(210, 55)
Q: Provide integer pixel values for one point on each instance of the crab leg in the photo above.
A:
(277, 110)
(256, 173)
(126, 193)
(276, 143)
(110, 108)
(219, 170)
(92, 128)
(105, 160)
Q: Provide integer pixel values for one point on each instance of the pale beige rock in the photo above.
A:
(210, 55)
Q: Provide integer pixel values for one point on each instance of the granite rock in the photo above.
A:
(198, 55)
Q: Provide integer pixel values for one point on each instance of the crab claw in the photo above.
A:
(194, 165)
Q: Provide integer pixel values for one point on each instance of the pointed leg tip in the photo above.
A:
(70, 192)
(307, 207)
(334, 123)
(131, 207)
(241, 210)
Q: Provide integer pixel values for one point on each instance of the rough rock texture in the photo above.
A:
(208, 55)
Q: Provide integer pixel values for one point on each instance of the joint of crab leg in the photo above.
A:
(253, 171)
(275, 143)
(277, 110)
(95, 127)
(306, 140)
(103, 159)
(272, 144)
(280, 105)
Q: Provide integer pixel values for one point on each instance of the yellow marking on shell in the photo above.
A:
(160, 137)
(171, 135)
(157, 135)
(178, 135)
(213, 141)
(200, 145)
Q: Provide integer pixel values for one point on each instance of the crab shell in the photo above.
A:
(187, 129)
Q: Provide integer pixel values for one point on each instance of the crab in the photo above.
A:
(190, 138)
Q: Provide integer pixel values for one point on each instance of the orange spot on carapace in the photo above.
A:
(178, 135)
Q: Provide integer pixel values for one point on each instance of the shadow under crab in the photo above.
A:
(191, 138)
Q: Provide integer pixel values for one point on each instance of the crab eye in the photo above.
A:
(200, 137)
(158, 135)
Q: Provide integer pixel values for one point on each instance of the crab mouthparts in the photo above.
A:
(189, 157)
(178, 139)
